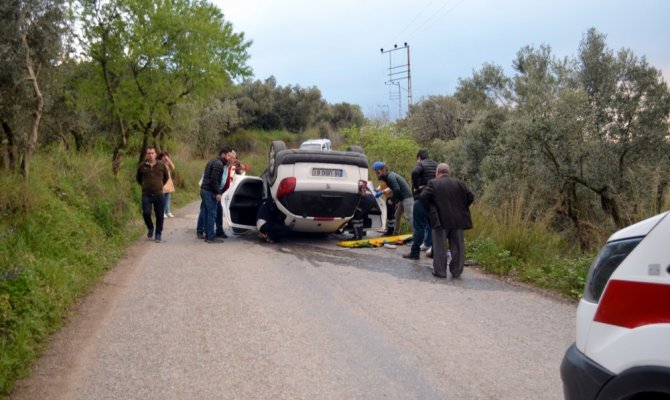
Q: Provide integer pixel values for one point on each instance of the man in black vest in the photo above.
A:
(423, 171)
(210, 194)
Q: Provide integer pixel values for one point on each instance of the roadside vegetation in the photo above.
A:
(560, 154)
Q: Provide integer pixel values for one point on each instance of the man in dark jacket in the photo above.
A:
(152, 175)
(210, 193)
(423, 171)
(448, 200)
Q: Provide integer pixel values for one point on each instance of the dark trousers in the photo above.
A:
(208, 213)
(456, 240)
(275, 230)
(390, 218)
(158, 207)
(420, 224)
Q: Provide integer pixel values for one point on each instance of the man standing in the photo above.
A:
(421, 174)
(448, 201)
(210, 193)
(397, 185)
(152, 175)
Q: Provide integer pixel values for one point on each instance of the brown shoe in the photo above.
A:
(411, 256)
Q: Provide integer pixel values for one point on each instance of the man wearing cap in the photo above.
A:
(397, 185)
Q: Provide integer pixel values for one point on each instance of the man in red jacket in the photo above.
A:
(448, 200)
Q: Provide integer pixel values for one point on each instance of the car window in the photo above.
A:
(609, 258)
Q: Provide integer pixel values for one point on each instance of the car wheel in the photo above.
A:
(275, 148)
(356, 149)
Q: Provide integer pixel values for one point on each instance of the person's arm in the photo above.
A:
(169, 163)
(427, 195)
(166, 174)
(469, 196)
(217, 176)
(393, 184)
(417, 171)
(138, 175)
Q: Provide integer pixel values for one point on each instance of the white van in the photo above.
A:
(316, 144)
(622, 347)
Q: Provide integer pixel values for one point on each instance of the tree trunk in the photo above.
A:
(78, 140)
(660, 195)
(8, 148)
(62, 136)
(122, 140)
(611, 207)
(31, 143)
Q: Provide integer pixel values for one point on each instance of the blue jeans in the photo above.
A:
(207, 217)
(157, 203)
(420, 224)
(166, 201)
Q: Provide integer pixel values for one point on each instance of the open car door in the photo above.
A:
(376, 218)
(241, 202)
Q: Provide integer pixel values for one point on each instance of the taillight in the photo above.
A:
(609, 258)
(286, 186)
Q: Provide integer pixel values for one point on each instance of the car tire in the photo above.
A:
(356, 149)
(275, 148)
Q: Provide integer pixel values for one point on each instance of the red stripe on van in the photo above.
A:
(631, 304)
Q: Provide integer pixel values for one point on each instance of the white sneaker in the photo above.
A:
(423, 247)
(170, 215)
(165, 216)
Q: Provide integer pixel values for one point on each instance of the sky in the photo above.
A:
(335, 45)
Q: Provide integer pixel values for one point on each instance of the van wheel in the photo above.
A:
(356, 149)
(275, 148)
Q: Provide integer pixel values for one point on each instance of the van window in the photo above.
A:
(609, 258)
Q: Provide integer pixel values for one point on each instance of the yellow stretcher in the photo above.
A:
(377, 242)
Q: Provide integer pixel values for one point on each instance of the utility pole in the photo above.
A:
(399, 72)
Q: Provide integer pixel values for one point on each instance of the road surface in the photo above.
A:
(303, 319)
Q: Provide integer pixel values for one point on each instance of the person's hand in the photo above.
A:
(218, 197)
(378, 194)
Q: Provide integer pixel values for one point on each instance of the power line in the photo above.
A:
(400, 35)
(438, 15)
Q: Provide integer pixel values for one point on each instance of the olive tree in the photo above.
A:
(152, 55)
(30, 45)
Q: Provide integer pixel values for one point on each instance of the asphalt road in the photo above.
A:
(303, 319)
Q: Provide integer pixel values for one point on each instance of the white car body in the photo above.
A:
(317, 144)
(323, 192)
(622, 347)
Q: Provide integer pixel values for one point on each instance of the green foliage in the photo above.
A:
(506, 243)
(147, 57)
(396, 148)
(59, 232)
(268, 106)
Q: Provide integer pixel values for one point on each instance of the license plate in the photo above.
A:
(335, 173)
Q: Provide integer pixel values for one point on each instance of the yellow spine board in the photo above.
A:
(376, 242)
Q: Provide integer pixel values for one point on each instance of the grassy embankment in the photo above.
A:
(65, 227)
(59, 232)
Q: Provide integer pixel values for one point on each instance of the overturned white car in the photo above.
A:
(317, 191)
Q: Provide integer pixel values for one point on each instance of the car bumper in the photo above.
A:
(582, 377)
(313, 225)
